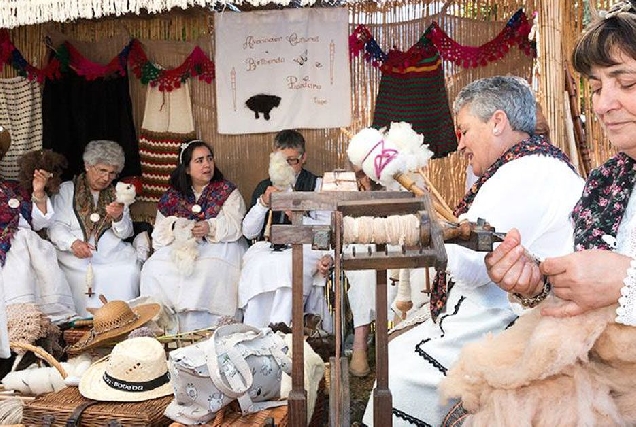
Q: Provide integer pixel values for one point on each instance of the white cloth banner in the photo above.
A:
(282, 69)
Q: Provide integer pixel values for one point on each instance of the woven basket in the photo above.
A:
(41, 353)
(73, 335)
(56, 408)
(230, 416)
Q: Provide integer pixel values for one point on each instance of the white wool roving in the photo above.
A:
(125, 193)
(409, 143)
(378, 157)
(185, 249)
(382, 155)
(36, 380)
(280, 172)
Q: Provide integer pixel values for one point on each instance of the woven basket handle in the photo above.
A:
(42, 354)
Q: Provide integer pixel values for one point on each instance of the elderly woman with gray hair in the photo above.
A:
(522, 181)
(89, 230)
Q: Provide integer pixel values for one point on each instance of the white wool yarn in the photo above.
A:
(394, 230)
(11, 411)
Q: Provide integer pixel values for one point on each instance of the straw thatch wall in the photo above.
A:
(598, 144)
(168, 38)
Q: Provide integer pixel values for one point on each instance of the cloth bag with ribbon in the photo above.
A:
(238, 362)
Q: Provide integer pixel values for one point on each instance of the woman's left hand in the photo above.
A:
(115, 211)
(586, 280)
(201, 229)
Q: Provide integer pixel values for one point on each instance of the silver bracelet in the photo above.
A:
(37, 199)
(532, 302)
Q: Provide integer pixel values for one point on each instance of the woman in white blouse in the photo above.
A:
(197, 241)
(602, 270)
(90, 228)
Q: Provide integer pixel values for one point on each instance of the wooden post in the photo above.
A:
(297, 396)
(382, 399)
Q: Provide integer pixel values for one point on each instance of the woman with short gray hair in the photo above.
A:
(523, 182)
(89, 230)
(105, 152)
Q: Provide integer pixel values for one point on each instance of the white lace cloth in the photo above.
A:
(626, 245)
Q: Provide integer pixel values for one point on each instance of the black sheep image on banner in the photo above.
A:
(262, 103)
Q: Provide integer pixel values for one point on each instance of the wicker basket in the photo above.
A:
(73, 335)
(230, 416)
(54, 409)
(41, 353)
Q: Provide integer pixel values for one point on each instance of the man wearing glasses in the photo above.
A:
(266, 277)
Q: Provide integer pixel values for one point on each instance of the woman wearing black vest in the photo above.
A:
(266, 277)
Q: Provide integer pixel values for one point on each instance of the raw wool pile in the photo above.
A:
(280, 172)
(547, 371)
(125, 193)
(39, 380)
(381, 155)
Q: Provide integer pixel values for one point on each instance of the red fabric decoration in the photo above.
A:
(514, 34)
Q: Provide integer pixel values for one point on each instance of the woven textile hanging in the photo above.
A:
(412, 90)
(167, 123)
(21, 115)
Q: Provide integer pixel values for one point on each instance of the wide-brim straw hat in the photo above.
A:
(136, 370)
(111, 321)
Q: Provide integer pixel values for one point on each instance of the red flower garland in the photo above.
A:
(196, 64)
(92, 70)
(515, 33)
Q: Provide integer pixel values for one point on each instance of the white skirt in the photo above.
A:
(115, 273)
(211, 288)
(31, 274)
(419, 358)
(265, 288)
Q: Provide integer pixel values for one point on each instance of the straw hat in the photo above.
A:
(112, 320)
(136, 370)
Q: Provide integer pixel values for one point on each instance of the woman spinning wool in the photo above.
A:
(29, 272)
(523, 182)
(197, 240)
(599, 278)
(89, 229)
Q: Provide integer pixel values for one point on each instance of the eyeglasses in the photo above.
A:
(105, 173)
(294, 160)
